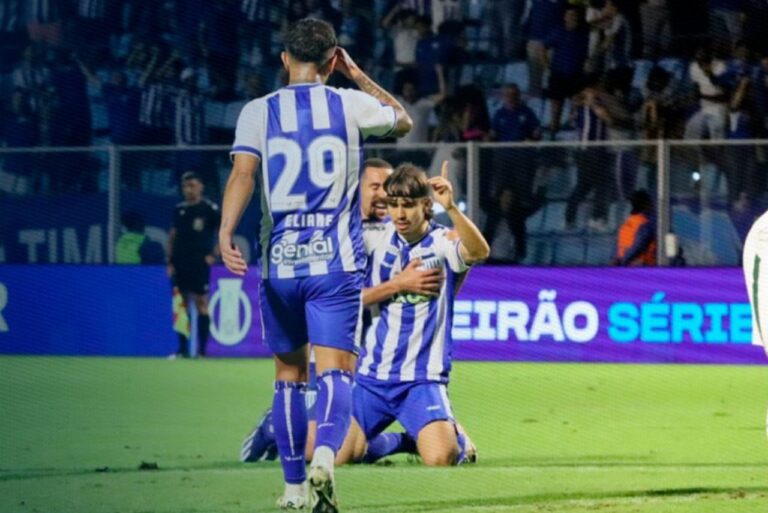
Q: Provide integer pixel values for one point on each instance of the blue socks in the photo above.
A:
(386, 444)
(289, 417)
(333, 408)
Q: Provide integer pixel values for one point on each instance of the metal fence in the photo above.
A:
(548, 203)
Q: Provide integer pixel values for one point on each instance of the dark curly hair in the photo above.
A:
(311, 40)
(409, 181)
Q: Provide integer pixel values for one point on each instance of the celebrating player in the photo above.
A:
(308, 138)
(404, 370)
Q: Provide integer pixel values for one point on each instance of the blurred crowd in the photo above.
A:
(176, 72)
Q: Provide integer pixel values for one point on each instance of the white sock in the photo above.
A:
(324, 457)
(293, 490)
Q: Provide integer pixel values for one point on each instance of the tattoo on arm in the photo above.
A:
(375, 90)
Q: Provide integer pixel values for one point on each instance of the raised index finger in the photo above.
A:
(444, 170)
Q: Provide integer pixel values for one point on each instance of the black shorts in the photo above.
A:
(562, 86)
(192, 279)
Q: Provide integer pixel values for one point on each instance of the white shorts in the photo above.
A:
(755, 262)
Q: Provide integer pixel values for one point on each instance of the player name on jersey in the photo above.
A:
(309, 220)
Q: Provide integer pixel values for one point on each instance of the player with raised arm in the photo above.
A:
(308, 139)
(404, 370)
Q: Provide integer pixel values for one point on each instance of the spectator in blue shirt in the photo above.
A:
(510, 189)
(739, 161)
(542, 16)
(430, 52)
(19, 129)
(123, 102)
(567, 49)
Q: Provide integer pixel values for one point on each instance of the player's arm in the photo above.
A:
(411, 279)
(473, 248)
(346, 66)
(237, 195)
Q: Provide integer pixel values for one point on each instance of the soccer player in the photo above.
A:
(191, 252)
(308, 140)
(404, 370)
(259, 445)
(755, 262)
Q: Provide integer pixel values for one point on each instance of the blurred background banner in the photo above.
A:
(85, 310)
(502, 313)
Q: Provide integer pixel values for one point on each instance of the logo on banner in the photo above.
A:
(228, 326)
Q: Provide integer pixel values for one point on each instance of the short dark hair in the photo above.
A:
(190, 175)
(377, 162)
(409, 181)
(641, 201)
(310, 40)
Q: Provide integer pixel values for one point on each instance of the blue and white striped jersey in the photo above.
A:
(309, 138)
(410, 336)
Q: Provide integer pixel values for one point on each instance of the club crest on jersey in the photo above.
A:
(291, 253)
(411, 298)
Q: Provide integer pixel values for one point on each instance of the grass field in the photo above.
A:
(562, 438)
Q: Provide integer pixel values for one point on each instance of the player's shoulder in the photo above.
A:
(355, 97)
(376, 225)
(258, 103)
(181, 205)
(378, 233)
(211, 205)
(440, 231)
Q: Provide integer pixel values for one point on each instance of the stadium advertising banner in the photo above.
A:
(502, 313)
(559, 314)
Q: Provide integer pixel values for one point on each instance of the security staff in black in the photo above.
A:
(192, 250)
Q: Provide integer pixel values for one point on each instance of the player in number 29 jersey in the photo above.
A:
(308, 140)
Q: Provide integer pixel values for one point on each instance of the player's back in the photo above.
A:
(309, 138)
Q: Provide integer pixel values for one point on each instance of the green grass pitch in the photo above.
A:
(551, 437)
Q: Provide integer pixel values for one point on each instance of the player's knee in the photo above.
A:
(440, 456)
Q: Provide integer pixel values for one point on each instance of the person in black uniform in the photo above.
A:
(192, 250)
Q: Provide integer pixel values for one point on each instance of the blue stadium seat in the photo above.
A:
(517, 72)
(642, 70)
(617, 213)
(600, 249)
(99, 117)
(570, 250)
(467, 75)
(540, 250)
(553, 217)
(535, 223)
(723, 239)
(678, 67)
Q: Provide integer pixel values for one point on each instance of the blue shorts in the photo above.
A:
(377, 404)
(324, 310)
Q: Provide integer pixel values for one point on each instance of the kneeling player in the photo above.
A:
(403, 373)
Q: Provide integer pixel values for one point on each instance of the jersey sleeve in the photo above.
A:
(372, 117)
(374, 235)
(248, 132)
(451, 250)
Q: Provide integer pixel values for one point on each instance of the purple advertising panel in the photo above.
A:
(671, 315)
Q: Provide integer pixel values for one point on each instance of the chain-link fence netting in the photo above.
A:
(54, 206)
(716, 193)
(541, 204)
(558, 204)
